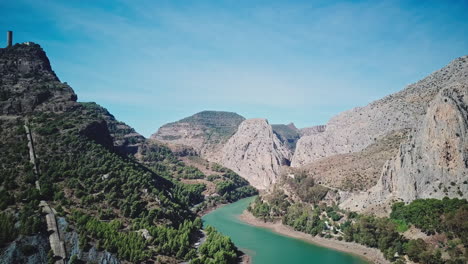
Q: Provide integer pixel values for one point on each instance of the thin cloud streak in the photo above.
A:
(295, 56)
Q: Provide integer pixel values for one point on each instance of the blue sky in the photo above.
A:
(153, 62)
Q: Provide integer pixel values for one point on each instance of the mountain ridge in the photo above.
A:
(346, 136)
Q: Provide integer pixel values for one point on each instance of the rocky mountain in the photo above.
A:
(354, 130)
(253, 148)
(359, 148)
(205, 132)
(412, 144)
(29, 84)
(255, 153)
(432, 163)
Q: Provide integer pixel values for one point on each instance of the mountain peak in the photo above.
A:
(27, 82)
(26, 60)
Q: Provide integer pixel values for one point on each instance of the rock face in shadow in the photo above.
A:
(256, 153)
(433, 163)
(99, 133)
(287, 134)
(124, 138)
(28, 83)
(354, 130)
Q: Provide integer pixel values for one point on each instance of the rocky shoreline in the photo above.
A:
(372, 255)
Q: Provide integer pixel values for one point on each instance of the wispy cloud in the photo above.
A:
(292, 56)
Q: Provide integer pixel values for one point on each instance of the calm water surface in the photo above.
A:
(267, 247)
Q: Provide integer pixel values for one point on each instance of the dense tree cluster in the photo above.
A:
(232, 187)
(109, 236)
(130, 244)
(306, 188)
(217, 249)
(435, 216)
(376, 232)
(446, 216)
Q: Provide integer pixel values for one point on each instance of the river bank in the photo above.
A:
(244, 258)
(370, 254)
(210, 209)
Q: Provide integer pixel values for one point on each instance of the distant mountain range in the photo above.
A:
(408, 145)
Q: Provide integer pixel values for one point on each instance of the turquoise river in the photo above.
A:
(267, 247)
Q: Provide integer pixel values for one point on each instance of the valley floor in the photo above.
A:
(371, 254)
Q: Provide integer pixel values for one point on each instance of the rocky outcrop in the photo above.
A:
(28, 83)
(354, 130)
(123, 137)
(91, 255)
(17, 251)
(206, 132)
(308, 131)
(255, 153)
(433, 163)
(99, 133)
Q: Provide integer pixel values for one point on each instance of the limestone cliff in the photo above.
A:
(434, 161)
(354, 130)
(349, 152)
(253, 148)
(256, 153)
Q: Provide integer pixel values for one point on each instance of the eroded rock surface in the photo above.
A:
(354, 130)
(433, 163)
(256, 153)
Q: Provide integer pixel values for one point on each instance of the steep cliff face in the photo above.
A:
(354, 130)
(206, 132)
(28, 83)
(252, 148)
(256, 153)
(434, 161)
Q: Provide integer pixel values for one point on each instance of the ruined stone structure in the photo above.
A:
(9, 38)
(313, 130)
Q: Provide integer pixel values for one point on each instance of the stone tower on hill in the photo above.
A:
(9, 38)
